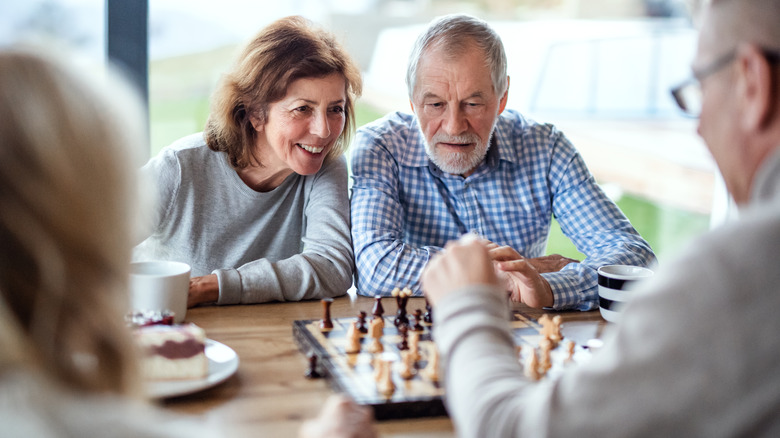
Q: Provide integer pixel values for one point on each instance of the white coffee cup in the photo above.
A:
(160, 285)
(615, 284)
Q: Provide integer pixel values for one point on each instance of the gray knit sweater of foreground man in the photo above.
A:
(291, 243)
(695, 354)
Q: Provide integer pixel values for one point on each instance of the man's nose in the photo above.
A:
(455, 121)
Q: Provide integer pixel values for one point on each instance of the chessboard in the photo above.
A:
(353, 374)
(420, 395)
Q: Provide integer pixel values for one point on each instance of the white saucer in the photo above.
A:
(223, 363)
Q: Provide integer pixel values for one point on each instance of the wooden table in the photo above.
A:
(269, 395)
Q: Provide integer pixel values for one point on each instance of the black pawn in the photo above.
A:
(428, 318)
(326, 322)
(361, 322)
(378, 310)
(403, 330)
(418, 317)
(312, 372)
(400, 317)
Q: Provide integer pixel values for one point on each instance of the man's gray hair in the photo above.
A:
(749, 21)
(454, 33)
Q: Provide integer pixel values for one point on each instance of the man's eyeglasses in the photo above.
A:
(688, 94)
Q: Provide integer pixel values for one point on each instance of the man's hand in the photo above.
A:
(340, 418)
(548, 263)
(525, 284)
(460, 264)
(203, 289)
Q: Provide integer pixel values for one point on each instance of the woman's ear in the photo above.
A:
(256, 122)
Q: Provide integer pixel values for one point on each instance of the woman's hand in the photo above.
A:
(340, 418)
(203, 290)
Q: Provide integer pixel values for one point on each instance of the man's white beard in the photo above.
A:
(457, 163)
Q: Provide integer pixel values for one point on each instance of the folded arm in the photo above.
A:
(383, 260)
(324, 266)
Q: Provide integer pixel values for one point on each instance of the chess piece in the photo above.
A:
(376, 327)
(380, 322)
(361, 322)
(403, 331)
(532, 366)
(557, 336)
(428, 318)
(376, 346)
(406, 366)
(417, 326)
(353, 339)
(546, 324)
(545, 362)
(378, 309)
(326, 323)
(401, 298)
(414, 345)
(551, 328)
(570, 351)
(376, 362)
(431, 370)
(352, 360)
(312, 372)
(385, 385)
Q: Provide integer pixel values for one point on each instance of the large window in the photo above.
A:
(77, 26)
(600, 70)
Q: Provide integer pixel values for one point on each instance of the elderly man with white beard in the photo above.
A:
(462, 163)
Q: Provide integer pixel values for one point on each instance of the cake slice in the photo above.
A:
(172, 352)
(142, 318)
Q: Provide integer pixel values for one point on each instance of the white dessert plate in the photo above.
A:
(223, 363)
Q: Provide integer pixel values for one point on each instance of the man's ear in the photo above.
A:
(754, 88)
(411, 105)
(504, 98)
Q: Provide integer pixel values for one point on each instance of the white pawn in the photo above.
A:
(570, 345)
(375, 331)
(377, 364)
(406, 366)
(385, 385)
(532, 366)
(414, 346)
(545, 361)
(353, 339)
(431, 371)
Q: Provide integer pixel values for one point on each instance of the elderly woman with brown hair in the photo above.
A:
(258, 203)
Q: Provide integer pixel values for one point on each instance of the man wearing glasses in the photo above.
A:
(696, 353)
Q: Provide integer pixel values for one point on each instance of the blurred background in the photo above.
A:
(600, 70)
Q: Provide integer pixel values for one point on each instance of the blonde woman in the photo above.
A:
(257, 204)
(67, 365)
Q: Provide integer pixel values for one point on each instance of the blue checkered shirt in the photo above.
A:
(405, 209)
